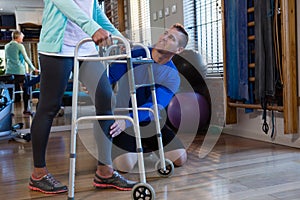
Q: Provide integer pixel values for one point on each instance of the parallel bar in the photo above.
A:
(255, 106)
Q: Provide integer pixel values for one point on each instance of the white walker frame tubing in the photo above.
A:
(155, 110)
(134, 120)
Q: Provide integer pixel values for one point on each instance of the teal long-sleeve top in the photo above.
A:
(55, 16)
(15, 58)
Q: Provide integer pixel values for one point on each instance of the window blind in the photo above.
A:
(203, 20)
(140, 21)
(189, 19)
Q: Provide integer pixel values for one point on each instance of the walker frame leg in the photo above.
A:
(135, 120)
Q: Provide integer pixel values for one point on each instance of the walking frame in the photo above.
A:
(164, 167)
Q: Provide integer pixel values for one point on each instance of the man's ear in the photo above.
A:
(179, 50)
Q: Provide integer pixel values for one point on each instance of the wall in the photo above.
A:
(250, 125)
(164, 13)
(9, 6)
(25, 11)
(217, 95)
(29, 15)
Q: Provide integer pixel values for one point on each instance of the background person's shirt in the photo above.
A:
(15, 58)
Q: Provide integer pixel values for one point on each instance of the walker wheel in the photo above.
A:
(21, 125)
(17, 126)
(27, 137)
(143, 191)
(169, 168)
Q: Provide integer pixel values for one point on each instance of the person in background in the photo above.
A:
(15, 58)
(64, 24)
(167, 81)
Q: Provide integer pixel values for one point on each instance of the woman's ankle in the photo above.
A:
(104, 171)
(39, 172)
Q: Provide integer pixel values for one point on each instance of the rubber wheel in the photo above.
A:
(21, 125)
(27, 137)
(143, 191)
(169, 168)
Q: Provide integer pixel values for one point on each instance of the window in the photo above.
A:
(203, 19)
(140, 21)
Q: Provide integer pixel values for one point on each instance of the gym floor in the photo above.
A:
(235, 169)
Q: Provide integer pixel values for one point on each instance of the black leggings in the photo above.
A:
(55, 73)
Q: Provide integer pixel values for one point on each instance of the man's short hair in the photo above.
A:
(179, 27)
(16, 34)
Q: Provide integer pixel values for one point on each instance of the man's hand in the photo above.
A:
(102, 37)
(117, 127)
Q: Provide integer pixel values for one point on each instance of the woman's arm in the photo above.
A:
(101, 18)
(27, 60)
(74, 13)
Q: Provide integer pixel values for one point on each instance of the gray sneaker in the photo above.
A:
(47, 184)
(116, 181)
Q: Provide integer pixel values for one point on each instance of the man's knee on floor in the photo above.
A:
(178, 157)
(125, 162)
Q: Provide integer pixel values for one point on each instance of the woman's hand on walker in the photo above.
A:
(102, 37)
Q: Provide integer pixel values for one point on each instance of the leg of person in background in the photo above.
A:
(11, 90)
(26, 96)
(29, 84)
(19, 83)
(61, 111)
(17, 95)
